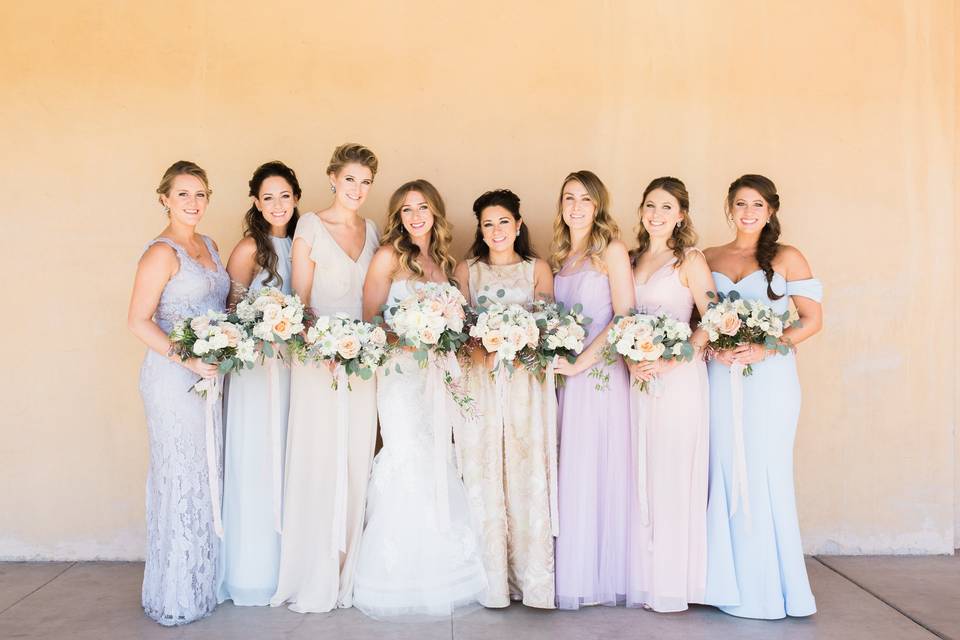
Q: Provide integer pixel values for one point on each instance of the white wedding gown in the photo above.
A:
(414, 562)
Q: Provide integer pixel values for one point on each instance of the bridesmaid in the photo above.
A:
(592, 268)
(507, 464)
(668, 526)
(755, 558)
(179, 275)
(252, 465)
(332, 250)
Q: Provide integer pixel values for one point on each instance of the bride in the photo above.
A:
(411, 564)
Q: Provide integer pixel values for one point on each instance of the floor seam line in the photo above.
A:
(24, 597)
(883, 600)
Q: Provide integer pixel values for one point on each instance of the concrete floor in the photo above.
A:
(874, 598)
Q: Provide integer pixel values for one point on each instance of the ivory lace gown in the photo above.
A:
(316, 575)
(180, 575)
(506, 462)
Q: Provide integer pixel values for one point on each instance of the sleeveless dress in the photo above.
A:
(315, 574)
(595, 459)
(668, 535)
(755, 566)
(412, 565)
(250, 558)
(506, 463)
(180, 574)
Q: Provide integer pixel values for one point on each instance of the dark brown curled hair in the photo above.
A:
(767, 245)
(256, 226)
(684, 236)
(511, 202)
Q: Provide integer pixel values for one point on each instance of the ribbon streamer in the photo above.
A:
(552, 427)
(213, 473)
(644, 409)
(339, 531)
(438, 400)
(276, 445)
(740, 491)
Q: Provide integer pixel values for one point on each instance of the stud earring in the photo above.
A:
(166, 210)
(679, 223)
(518, 233)
(333, 189)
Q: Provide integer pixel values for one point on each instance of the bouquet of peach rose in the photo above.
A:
(562, 334)
(432, 319)
(272, 317)
(640, 337)
(505, 331)
(731, 321)
(216, 338)
(341, 341)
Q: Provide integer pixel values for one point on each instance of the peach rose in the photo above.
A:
(650, 350)
(348, 347)
(729, 323)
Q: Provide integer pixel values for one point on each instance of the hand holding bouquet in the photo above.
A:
(215, 338)
(640, 337)
(429, 320)
(359, 347)
(562, 335)
(505, 331)
(271, 317)
(731, 321)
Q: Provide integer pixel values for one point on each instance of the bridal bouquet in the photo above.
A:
(271, 317)
(359, 347)
(430, 320)
(561, 334)
(731, 321)
(505, 331)
(639, 337)
(215, 338)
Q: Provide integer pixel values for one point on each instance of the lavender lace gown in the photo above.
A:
(179, 579)
(594, 469)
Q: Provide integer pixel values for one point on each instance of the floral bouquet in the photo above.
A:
(731, 321)
(431, 321)
(505, 331)
(359, 347)
(215, 338)
(271, 317)
(639, 337)
(562, 334)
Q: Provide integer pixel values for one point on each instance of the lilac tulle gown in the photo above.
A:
(595, 461)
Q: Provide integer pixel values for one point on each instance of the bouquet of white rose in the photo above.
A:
(640, 337)
(731, 320)
(430, 320)
(215, 338)
(271, 317)
(562, 334)
(359, 347)
(505, 331)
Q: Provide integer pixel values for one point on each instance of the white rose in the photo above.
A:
(200, 347)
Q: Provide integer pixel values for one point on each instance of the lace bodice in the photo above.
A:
(193, 289)
(516, 281)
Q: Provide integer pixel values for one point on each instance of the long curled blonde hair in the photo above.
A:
(441, 237)
(684, 236)
(604, 229)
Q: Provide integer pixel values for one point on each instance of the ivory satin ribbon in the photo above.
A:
(338, 535)
(552, 427)
(739, 491)
(439, 400)
(213, 473)
(276, 445)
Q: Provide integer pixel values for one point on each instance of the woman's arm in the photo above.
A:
(542, 280)
(462, 275)
(376, 287)
(242, 267)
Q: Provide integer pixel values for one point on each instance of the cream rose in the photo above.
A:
(348, 347)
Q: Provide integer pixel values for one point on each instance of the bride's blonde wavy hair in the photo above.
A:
(604, 229)
(441, 237)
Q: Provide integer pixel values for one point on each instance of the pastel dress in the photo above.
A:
(595, 460)
(506, 459)
(417, 560)
(322, 508)
(755, 565)
(668, 524)
(253, 463)
(180, 574)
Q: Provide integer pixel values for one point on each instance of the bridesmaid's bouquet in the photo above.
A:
(505, 331)
(359, 347)
(562, 335)
(731, 321)
(640, 337)
(216, 338)
(272, 317)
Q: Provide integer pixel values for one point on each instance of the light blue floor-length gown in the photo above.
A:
(251, 545)
(755, 565)
(180, 575)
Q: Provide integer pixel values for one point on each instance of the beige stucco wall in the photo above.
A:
(851, 107)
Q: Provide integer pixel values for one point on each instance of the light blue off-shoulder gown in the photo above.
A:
(250, 560)
(180, 576)
(755, 565)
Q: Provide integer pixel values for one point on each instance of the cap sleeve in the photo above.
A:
(373, 232)
(809, 288)
(307, 228)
